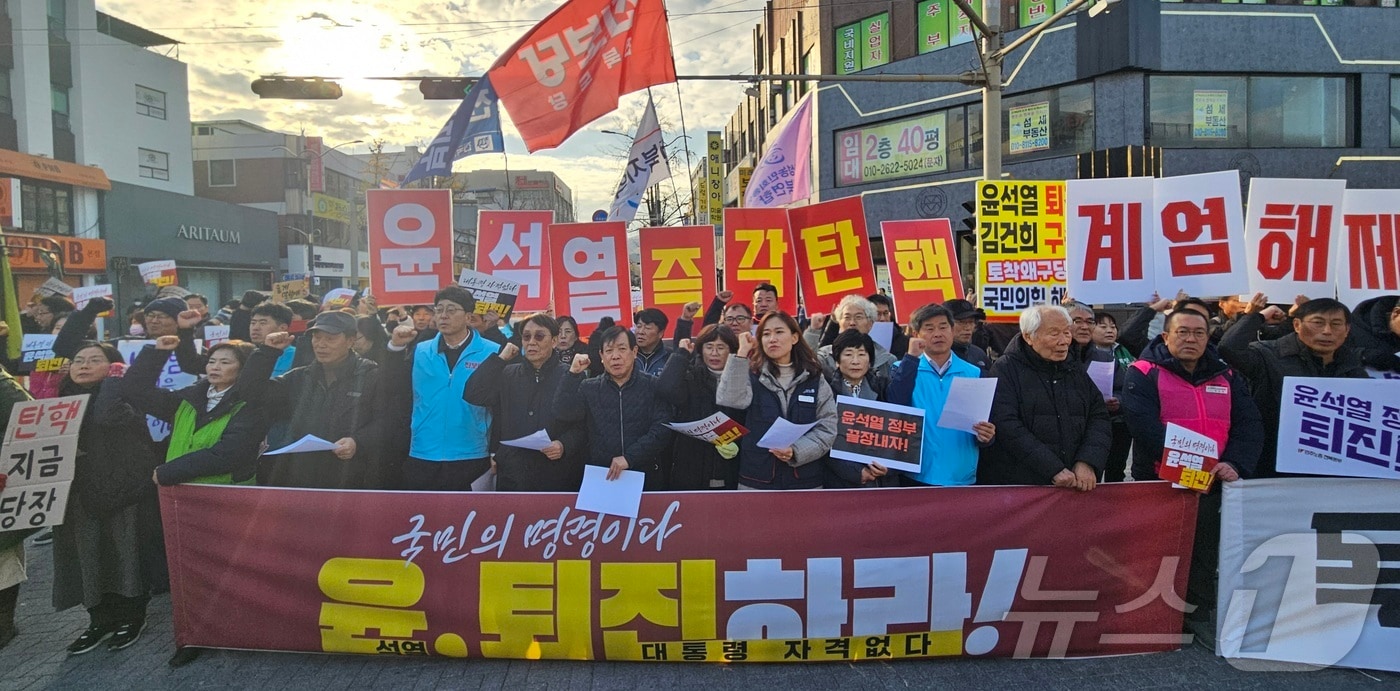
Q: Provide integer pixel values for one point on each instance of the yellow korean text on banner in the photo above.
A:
(1020, 246)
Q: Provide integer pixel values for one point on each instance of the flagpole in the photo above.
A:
(510, 205)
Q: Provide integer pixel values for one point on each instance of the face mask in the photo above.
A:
(136, 330)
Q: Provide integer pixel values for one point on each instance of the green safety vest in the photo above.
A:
(185, 437)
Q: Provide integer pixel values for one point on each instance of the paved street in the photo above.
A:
(36, 660)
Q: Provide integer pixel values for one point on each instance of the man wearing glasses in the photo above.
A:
(1178, 380)
(1316, 348)
(448, 442)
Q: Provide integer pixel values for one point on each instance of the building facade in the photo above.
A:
(94, 113)
(490, 190)
(316, 191)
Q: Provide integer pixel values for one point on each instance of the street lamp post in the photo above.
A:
(310, 253)
(306, 155)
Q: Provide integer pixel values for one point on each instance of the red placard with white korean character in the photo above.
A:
(1198, 242)
(1368, 264)
(833, 252)
(46, 418)
(678, 266)
(514, 245)
(758, 249)
(1108, 238)
(923, 263)
(1292, 234)
(410, 244)
(591, 274)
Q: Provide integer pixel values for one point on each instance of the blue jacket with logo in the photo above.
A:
(445, 427)
(949, 456)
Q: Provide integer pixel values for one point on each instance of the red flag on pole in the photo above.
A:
(570, 69)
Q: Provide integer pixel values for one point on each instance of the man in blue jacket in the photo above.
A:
(923, 380)
(450, 438)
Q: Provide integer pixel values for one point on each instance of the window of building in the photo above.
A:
(48, 209)
(1224, 111)
(58, 17)
(864, 44)
(1050, 123)
(59, 98)
(223, 173)
(1395, 111)
(7, 106)
(203, 130)
(150, 102)
(154, 164)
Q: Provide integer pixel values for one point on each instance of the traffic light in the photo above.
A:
(445, 89)
(296, 89)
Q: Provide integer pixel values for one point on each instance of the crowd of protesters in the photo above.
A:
(421, 397)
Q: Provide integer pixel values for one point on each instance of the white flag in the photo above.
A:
(645, 162)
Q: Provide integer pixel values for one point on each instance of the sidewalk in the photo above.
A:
(36, 660)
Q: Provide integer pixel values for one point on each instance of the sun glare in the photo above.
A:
(352, 42)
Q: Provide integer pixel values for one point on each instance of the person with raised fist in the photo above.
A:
(336, 398)
(689, 383)
(776, 375)
(622, 411)
(216, 431)
(449, 438)
(518, 385)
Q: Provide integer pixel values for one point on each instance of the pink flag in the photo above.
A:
(785, 173)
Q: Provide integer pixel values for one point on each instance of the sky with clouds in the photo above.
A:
(228, 45)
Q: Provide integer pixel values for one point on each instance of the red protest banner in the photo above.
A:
(592, 278)
(514, 245)
(833, 252)
(570, 69)
(316, 173)
(527, 577)
(678, 266)
(1290, 231)
(758, 249)
(410, 244)
(923, 263)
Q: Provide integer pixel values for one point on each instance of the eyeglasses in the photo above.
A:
(1084, 322)
(449, 309)
(1193, 334)
(738, 319)
(535, 336)
(857, 317)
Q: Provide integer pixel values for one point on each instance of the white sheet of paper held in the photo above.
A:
(969, 402)
(620, 497)
(538, 441)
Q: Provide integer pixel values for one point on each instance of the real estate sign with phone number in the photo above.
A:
(893, 150)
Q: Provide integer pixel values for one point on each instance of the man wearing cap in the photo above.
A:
(965, 318)
(449, 438)
(335, 399)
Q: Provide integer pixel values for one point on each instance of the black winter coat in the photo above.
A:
(628, 421)
(1266, 363)
(690, 388)
(1371, 335)
(521, 400)
(115, 451)
(1048, 415)
(237, 450)
(301, 402)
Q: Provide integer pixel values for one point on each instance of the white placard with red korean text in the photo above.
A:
(1292, 234)
(1368, 264)
(1198, 243)
(159, 273)
(592, 278)
(82, 295)
(1108, 253)
(1330, 426)
(410, 244)
(39, 456)
(514, 246)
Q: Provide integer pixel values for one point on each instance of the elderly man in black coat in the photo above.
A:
(1052, 425)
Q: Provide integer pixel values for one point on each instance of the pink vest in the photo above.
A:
(1204, 408)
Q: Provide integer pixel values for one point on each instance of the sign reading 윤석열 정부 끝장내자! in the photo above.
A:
(704, 576)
